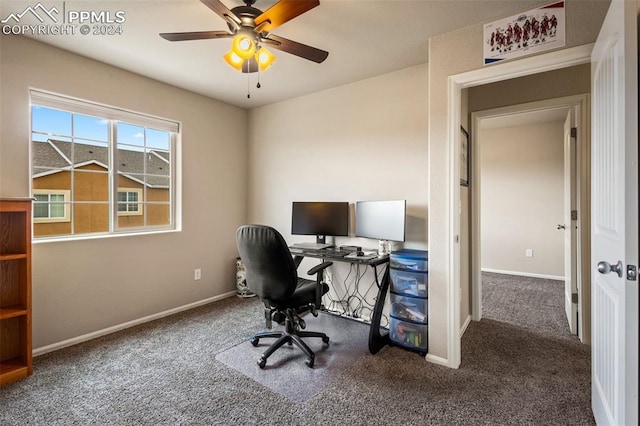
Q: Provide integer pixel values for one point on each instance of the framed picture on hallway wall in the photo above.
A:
(464, 157)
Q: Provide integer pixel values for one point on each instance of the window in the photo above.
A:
(100, 170)
(128, 201)
(50, 206)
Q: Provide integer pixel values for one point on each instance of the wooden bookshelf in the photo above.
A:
(15, 289)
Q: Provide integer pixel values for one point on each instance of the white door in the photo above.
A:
(569, 226)
(614, 211)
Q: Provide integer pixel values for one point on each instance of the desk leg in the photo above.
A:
(378, 340)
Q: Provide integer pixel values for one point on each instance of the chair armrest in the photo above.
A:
(316, 271)
(318, 268)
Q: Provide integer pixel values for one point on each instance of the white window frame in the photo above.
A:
(139, 203)
(67, 210)
(115, 115)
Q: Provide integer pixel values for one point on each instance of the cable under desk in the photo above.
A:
(377, 338)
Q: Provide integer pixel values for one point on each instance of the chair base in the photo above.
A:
(290, 338)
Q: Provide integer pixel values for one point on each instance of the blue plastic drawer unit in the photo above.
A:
(409, 312)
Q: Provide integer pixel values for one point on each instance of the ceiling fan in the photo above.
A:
(251, 29)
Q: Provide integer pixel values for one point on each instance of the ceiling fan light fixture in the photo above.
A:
(249, 28)
(243, 46)
(264, 58)
(233, 60)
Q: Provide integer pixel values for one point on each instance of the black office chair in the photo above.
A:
(272, 276)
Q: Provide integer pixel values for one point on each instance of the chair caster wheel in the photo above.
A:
(325, 340)
(254, 341)
(310, 362)
(262, 362)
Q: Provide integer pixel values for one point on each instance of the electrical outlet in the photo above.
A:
(528, 252)
(197, 274)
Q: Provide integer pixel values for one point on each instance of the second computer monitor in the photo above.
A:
(381, 220)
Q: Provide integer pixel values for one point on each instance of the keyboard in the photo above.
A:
(333, 254)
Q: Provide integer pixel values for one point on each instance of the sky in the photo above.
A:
(92, 130)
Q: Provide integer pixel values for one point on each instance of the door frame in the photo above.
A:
(455, 83)
(579, 104)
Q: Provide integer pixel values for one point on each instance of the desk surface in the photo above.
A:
(339, 255)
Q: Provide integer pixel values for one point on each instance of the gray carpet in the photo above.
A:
(166, 373)
(286, 371)
(525, 301)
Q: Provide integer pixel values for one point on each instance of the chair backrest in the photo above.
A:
(271, 271)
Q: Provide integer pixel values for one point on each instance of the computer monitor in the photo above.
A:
(320, 218)
(381, 220)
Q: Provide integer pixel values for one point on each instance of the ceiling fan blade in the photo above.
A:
(284, 11)
(196, 35)
(223, 11)
(295, 48)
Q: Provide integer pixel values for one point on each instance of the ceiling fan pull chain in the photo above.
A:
(248, 86)
(258, 85)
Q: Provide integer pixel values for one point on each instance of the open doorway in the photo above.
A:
(614, 87)
(524, 208)
(527, 73)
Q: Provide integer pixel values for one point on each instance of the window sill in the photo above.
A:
(67, 238)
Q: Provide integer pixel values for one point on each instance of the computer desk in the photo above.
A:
(377, 339)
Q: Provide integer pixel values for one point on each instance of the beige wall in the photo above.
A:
(80, 287)
(362, 141)
(522, 198)
(451, 54)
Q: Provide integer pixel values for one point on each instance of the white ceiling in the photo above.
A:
(364, 38)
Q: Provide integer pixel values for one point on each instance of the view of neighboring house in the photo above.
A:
(65, 171)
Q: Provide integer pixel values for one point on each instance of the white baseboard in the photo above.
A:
(437, 360)
(85, 337)
(467, 321)
(524, 274)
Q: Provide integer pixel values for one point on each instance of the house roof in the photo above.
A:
(150, 168)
